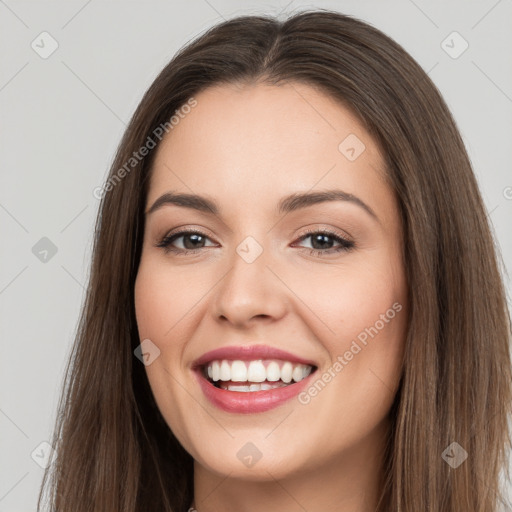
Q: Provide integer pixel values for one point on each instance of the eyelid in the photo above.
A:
(187, 228)
(324, 229)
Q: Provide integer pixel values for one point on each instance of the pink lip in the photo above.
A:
(250, 402)
(249, 352)
(255, 401)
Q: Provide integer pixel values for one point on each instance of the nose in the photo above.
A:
(250, 292)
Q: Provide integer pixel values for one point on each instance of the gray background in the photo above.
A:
(63, 116)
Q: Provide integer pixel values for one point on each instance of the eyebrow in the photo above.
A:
(286, 205)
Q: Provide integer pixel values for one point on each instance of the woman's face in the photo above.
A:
(319, 278)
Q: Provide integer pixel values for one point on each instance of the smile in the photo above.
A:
(256, 375)
(251, 379)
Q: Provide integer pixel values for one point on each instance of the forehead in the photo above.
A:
(260, 142)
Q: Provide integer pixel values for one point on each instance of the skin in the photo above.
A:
(246, 147)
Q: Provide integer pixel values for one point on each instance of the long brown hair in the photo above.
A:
(114, 451)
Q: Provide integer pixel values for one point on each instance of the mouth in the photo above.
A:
(251, 379)
(257, 375)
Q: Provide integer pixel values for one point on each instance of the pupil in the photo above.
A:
(195, 238)
(322, 239)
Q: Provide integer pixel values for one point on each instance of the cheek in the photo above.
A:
(359, 314)
(164, 296)
(342, 301)
(160, 303)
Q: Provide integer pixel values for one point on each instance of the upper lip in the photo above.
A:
(249, 353)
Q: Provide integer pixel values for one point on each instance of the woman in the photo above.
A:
(294, 302)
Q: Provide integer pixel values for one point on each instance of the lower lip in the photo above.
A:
(251, 401)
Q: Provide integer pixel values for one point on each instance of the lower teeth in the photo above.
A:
(246, 388)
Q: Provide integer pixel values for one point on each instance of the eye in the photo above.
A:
(322, 242)
(192, 242)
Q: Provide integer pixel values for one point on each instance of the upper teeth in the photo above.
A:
(257, 371)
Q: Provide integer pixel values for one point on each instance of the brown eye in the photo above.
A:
(322, 242)
(191, 241)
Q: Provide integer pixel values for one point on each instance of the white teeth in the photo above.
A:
(238, 371)
(255, 372)
(237, 388)
(301, 372)
(225, 371)
(215, 370)
(273, 372)
(252, 387)
(297, 374)
(286, 372)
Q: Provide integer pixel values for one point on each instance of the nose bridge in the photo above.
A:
(249, 288)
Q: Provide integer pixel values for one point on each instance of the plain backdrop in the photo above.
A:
(62, 116)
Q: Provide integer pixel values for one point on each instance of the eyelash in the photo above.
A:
(345, 245)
